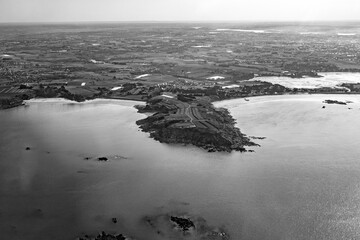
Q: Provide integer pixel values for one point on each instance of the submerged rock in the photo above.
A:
(183, 223)
(335, 102)
(187, 227)
(259, 138)
(104, 236)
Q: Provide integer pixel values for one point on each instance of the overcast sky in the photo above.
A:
(178, 10)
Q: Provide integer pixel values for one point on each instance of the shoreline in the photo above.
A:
(65, 100)
(35, 99)
(18, 100)
(292, 97)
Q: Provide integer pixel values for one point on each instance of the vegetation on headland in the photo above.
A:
(194, 122)
(42, 92)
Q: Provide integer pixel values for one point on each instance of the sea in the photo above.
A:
(303, 182)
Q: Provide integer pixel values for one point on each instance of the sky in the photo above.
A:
(178, 10)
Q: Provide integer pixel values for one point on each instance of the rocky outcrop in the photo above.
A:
(183, 226)
(104, 236)
(11, 102)
(184, 223)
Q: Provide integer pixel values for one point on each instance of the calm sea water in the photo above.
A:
(302, 183)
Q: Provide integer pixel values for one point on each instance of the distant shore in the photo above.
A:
(35, 99)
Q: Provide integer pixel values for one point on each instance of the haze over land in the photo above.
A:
(174, 10)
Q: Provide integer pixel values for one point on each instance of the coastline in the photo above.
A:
(35, 99)
(64, 100)
(334, 85)
(199, 121)
(354, 98)
(177, 122)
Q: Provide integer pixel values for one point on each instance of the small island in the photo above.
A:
(185, 120)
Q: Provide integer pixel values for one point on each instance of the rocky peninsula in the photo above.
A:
(192, 121)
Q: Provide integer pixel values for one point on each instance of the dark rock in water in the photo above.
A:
(183, 223)
(114, 220)
(260, 138)
(104, 236)
(102, 159)
(335, 102)
(211, 150)
(87, 158)
(323, 106)
(27, 149)
(149, 221)
(186, 227)
(85, 237)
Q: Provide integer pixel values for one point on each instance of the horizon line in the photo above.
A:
(180, 21)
